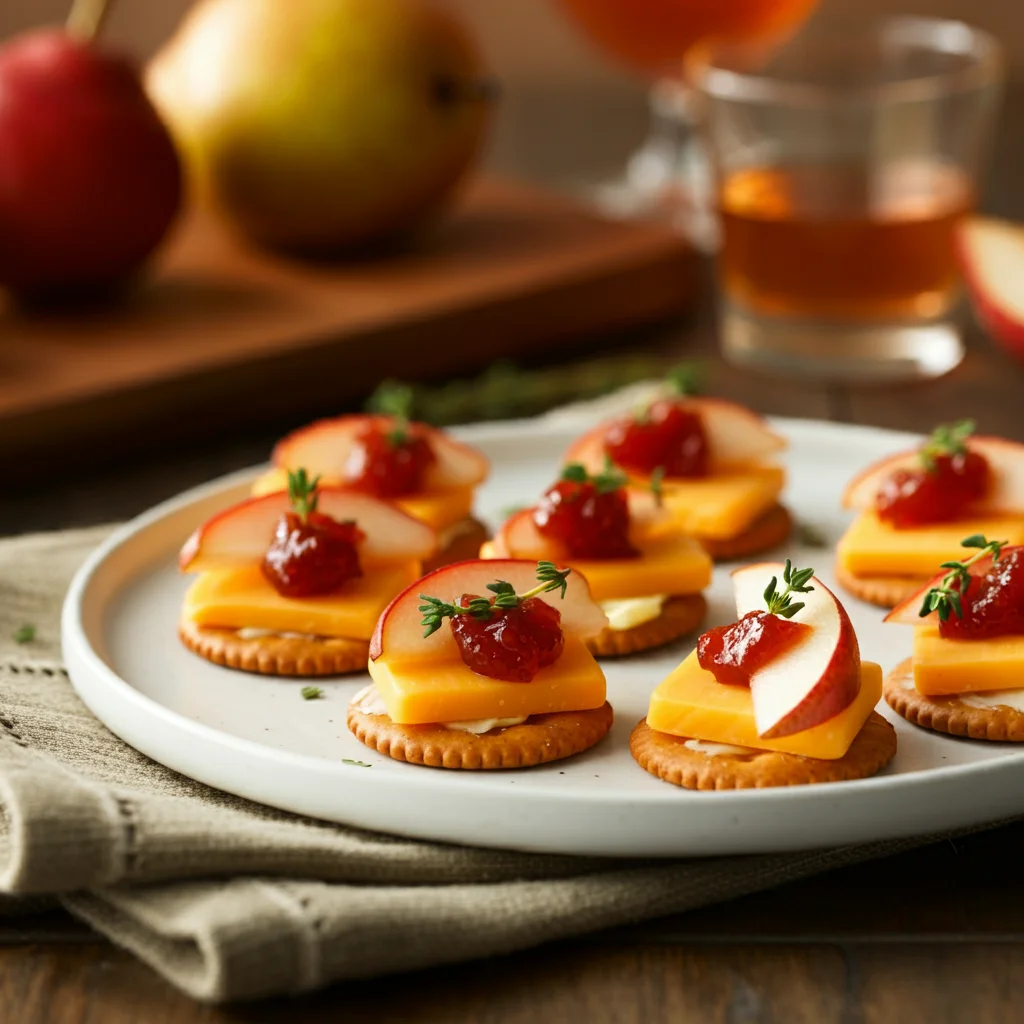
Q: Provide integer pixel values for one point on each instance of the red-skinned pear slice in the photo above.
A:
(906, 612)
(399, 633)
(736, 436)
(1005, 459)
(813, 681)
(648, 521)
(241, 534)
(323, 449)
(992, 257)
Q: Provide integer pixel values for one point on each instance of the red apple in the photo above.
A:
(241, 534)
(399, 633)
(816, 679)
(323, 448)
(89, 177)
(735, 434)
(1005, 459)
(906, 613)
(992, 258)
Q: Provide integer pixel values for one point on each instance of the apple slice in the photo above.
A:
(736, 436)
(1005, 459)
(906, 612)
(399, 633)
(323, 448)
(240, 534)
(991, 256)
(816, 679)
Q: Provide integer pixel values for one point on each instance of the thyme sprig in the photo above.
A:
(796, 581)
(395, 399)
(686, 378)
(611, 478)
(302, 493)
(435, 611)
(946, 439)
(947, 597)
(655, 483)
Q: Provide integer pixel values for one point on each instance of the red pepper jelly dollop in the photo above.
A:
(938, 493)
(667, 436)
(734, 653)
(514, 644)
(993, 604)
(312, 555)
(388, 460)
(588, 522)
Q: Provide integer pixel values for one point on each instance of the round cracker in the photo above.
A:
(679, 615)
(276, 655)
(949, 714)
(883, 591)
(667, 757)
(772, 529)
(539, 739)
(464, 546)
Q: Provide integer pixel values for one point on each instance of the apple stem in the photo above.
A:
(86, 18)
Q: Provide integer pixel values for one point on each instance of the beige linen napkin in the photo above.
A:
(231, 900)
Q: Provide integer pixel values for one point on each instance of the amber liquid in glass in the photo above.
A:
(841, 242)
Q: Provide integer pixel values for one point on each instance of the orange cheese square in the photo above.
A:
(243, 598)
(871, 547)
(966, 666)
(692, 703)
(417, 693)
(726, 503)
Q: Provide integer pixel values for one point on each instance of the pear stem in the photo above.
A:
(86, 18)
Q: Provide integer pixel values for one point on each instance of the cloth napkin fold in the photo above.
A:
(231, 900)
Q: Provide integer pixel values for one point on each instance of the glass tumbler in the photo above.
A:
(843, 162)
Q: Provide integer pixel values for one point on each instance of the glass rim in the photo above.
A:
(941, 35)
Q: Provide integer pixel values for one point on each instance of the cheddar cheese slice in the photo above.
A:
(439, 509)
(692, 703)
(871, 547)
(417, 693)
(725, 504)
(966, 666)
(243, 598)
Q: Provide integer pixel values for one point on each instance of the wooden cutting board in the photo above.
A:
(221, 336)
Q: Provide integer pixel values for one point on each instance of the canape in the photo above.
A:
(780, 697)
(292, 583)
(645, 573)
(713, 460)
(914, 508)
(966, 675)
(485, 665)
(421, 469)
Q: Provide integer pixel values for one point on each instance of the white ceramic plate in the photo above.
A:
(258, 738)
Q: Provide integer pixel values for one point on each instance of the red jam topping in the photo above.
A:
(514, 644)
(588, 521)
(387, 460)
(939, 493)
(993, 604)
(734, 653)
(316, 555)
(667, 436)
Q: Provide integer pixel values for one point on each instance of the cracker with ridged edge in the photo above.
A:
(668, 758)
(949, 714)
(539, 739)
(773, 528)
(679, 615)
(464, 546)
(304, 657)
(882, 591)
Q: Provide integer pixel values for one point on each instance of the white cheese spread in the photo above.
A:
(369, 701)
(625, 613)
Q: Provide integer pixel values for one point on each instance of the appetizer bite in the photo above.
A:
(292, 584)
(712, 461)
(914, 508)
(645, 573)
(485, 665)
(778, 698)
(966, 675)
(421, 469)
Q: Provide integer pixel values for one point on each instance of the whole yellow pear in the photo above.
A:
(323, 125)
